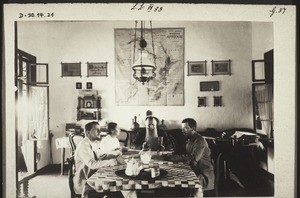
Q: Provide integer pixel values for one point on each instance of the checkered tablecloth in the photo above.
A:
(179, 175)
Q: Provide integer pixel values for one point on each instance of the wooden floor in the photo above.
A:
(51, 184)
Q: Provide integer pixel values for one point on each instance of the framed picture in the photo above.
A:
(89, 104)
(196, 68)
(218, 101)
(221, 67)
(70, 69)
(97, 69)
(209, 86)
(258, 70)
(202, 101)
(78, 85)
(89, 85)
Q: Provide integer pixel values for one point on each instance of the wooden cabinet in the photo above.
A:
(89, 105)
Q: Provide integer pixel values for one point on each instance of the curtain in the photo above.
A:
(38, 119)
(22, 114)
(264, 98)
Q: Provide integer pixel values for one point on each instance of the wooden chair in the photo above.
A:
(74, 139)
(215, 158)
(71, 174)
(71, 162)
(177, 140)
(124, 137)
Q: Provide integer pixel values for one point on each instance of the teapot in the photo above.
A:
(133, 168)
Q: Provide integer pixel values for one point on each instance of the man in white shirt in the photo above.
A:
(88, 157)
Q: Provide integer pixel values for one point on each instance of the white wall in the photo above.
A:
(262, 39)
(94, 42)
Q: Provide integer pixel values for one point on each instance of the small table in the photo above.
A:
(62, 143)
(179, 175)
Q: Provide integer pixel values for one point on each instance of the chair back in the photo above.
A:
(74, 139)
(123, 137)
(177, 140)
(215, 158)
(71, 162)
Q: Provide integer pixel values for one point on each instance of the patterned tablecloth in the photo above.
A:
(179, 175)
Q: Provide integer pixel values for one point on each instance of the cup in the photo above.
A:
(155, 172)
(105, 184)
(126, 158)
(146, 157)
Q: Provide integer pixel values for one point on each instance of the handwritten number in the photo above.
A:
(50, 14)
(134, 6)
(141, 7)
(150, 7)
(33, 15)
(282, 9)
(273, 11)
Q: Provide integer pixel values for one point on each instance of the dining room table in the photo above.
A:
(171, 174)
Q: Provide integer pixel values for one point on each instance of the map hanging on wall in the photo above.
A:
(167, 88)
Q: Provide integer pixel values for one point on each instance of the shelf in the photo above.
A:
(88, 119)
(89, 105)
(88, 108)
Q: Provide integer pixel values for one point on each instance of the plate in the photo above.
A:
(143, 175)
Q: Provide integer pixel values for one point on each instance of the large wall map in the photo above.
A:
(167, 88)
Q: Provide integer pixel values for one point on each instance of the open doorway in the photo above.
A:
(32, 113)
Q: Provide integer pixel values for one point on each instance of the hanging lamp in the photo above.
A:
(143, 67)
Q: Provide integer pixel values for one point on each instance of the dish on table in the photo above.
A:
(143, 175)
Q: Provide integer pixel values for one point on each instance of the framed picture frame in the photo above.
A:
(218, 101)
(209, 86)
(89, 85)
(222, 67)
(197, 68)
(258, 70)
(202, 101)
(97, 69)
(71, 69)
(78, 85)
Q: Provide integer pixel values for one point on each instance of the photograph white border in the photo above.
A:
(284, 68)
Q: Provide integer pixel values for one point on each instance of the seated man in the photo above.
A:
(151, 134)
(88, 157)
(198, 154)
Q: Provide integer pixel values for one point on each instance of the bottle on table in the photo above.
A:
(161, 147)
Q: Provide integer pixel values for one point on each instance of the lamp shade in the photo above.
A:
(143, 62)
